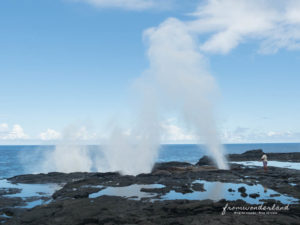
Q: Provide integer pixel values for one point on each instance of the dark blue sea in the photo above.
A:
(12, 157)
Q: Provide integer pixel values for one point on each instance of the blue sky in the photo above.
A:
(68, 62)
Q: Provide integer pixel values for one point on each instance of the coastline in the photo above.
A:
(154, 198)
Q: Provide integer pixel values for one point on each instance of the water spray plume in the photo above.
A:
(136, 152)
(180, 71)
(69, 155)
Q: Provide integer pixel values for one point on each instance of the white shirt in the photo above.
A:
(264, 158)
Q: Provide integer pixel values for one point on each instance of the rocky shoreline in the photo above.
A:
(105, 198)
(254, 155)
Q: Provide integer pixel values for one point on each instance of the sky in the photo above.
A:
(71, 65)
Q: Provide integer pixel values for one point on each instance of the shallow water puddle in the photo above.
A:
(132, 191)
(4, 216)
(218, 190)
(29, 191)
(214, 191)
(289, 165)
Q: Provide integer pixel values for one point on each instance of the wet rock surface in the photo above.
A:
(48, 178)
(274, 195)
(244, 194)
(242, 189)
(254, 195)
(72, 205)
(11, 202)
(79, 192)
(9, 191)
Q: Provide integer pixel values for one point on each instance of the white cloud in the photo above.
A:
(276, 23)
(292, 12)
(78, 133)
(15, 133)
(279, 134)
(172, 133)
(3, 127)
(229, 23)
(129, 4)
(50, 134)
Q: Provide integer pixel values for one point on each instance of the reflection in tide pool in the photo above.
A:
(214, 191)
(132, 191)
(30, 190)
(218, 190)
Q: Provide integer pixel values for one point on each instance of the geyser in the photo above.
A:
(135, 152)
(69, 155)
(177, 76)
(178, 70)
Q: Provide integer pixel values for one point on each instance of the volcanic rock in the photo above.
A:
(274, 195)
(198, 187)
(254, 195)
(205, 161)
(244, 195)
(9, 191)
(242, 189)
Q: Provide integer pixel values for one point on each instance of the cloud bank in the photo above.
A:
(14, 133)
(228, 23)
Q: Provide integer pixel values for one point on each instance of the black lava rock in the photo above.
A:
(242, 189)
(274, 195)
(205, 161)
(254, 195)
(198, 187)
(244, 194)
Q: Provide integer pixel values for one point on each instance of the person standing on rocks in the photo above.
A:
(264, 158)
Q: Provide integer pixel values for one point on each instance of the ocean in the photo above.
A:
(15, 159)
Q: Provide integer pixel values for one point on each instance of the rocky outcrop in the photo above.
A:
(205, 161)
(246, 156)
(253, 155)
